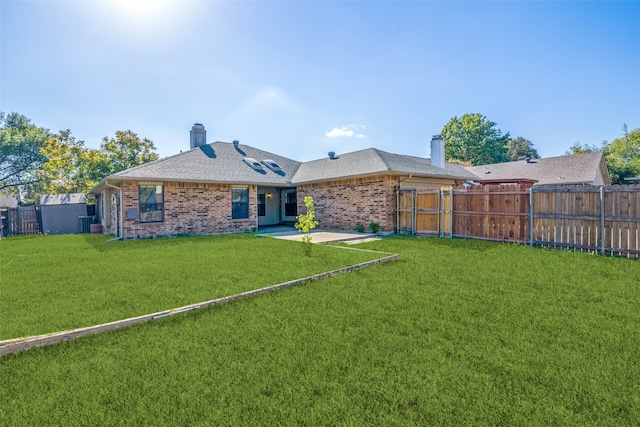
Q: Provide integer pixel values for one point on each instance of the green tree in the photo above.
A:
(71, 167)
(578, 148)
(127, 150)
(521, 147)
(472, 138)
(623, 157)
(306, 222)
(20, 156)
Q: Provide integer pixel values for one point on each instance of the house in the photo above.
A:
(8, 200)
(587, 169)
(225, 187)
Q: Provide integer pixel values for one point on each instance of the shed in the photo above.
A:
(63, 213)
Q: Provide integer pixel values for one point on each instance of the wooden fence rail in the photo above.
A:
(602, 219)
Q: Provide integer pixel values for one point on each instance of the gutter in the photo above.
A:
(120, 218)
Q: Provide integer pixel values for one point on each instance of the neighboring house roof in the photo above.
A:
(587, 168)
(8, 200)
(222, 162)
(62, 199)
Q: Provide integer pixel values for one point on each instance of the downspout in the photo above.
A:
(120, 217)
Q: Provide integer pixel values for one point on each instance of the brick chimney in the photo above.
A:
(437, 151)
(198, 135)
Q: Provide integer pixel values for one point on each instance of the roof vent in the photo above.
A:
(236, 143)
(332, 155)
(272, 165)
(253, 163)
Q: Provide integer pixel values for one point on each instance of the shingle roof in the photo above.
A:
(62, 199)
(573, 169)
(368, 162)
(454, 168)
(7, 200)
(217, 162)
(222, 162)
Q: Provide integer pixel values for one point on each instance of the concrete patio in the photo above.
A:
(286, 232)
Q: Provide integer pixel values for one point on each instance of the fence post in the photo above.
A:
(397, 211)
(413, 214)
(451, 213)
(531, 216)
(602, 238)
(442, 213)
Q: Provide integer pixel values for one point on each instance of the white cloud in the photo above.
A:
(337, 132)
(345, 131)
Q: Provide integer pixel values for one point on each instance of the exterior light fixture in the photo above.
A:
(268, 195)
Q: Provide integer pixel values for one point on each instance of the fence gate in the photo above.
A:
(424, 212)
(488, 212)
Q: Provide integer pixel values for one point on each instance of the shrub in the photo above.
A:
(306, 222)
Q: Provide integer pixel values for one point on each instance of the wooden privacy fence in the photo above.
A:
(20, 220)
(603, 219)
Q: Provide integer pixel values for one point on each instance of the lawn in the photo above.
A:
(56, 283)
(457, 332)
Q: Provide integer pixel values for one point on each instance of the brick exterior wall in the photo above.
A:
(342, 204)
(189, 208)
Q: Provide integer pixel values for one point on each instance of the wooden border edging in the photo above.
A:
(21, 344)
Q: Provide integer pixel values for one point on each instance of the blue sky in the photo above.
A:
(301, 78)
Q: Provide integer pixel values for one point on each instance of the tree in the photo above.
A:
(578, 148)
(623, 157)
(306, 222)
(473, 138)
(521, 147)
(20, 156)
(70, 166)
(127, 150)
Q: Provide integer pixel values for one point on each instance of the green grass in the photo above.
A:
(55, 283)
(455, 333)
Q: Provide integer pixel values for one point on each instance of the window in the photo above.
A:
(151, 203)
(291, 203)
(253, 163)
(239, 203)
(261, 205)
(272, 165)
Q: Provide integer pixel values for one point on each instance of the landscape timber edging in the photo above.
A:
(27, 343)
